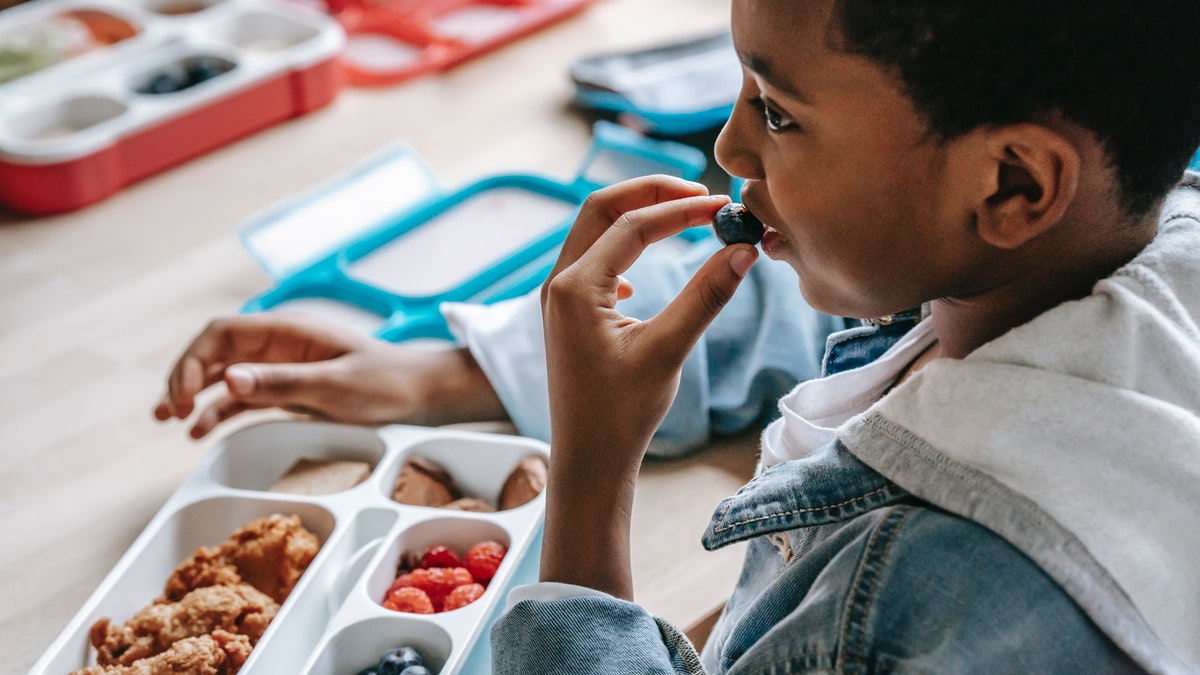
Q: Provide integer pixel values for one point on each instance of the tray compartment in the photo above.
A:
(254, 458)
(60, 119)
(376, 51)
(140, 576)
(457, 533)
(351, 571)
(54, 38)
(360, 645)
(480, 23)
(479, 466)
(397, 41)
(183, 74)
(260, 31)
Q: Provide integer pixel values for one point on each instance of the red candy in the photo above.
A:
(440, 556)
(402, 581)
(462, 596)
(484, 559)
(439, 581)
(408, 599)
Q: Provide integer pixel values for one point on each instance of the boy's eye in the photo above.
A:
(775, 120)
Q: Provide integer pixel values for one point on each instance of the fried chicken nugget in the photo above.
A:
(219, 653)
(239, 609)
(269, 553)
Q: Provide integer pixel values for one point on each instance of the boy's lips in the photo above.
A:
(771, 242)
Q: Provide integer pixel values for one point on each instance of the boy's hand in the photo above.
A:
(305, 365)
(612, 378)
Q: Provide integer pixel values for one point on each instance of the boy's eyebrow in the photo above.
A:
(763, 69)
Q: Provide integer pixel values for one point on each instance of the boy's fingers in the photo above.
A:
(222, 409)
(617, 249)
(681, 323)
(605, 206)
(624, 288)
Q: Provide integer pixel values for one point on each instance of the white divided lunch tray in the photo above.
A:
(333, 621)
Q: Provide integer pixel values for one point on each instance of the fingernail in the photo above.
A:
(197, 431)
(240, 380)
(741, 261)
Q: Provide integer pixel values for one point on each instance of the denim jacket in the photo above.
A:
(844, 572)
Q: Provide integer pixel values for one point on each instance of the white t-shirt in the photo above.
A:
(816, 408)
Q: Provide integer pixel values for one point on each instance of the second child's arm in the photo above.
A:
(613, 378)
(306, 365)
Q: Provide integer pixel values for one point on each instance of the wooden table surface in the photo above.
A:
(96, 304)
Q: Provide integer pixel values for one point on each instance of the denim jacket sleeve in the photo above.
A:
(731, 380)
(581, 635)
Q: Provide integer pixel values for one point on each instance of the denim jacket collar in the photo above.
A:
(828, 486)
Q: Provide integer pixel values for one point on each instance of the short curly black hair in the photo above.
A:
(1127, 70)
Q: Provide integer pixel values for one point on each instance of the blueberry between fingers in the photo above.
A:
(735, 224)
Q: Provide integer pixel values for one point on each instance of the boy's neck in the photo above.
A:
(1064, 266)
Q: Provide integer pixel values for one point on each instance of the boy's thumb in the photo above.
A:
(741, 260)
(713, 286)
(707, 293)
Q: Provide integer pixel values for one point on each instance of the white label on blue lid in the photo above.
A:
(462, 242)
(301, 231)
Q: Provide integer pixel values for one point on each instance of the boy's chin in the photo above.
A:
(841, 303)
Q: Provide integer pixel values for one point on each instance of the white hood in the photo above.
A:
(1076, 437)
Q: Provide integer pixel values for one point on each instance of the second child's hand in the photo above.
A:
(311, 366)
(613, 378)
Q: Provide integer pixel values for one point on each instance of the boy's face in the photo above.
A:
(857, 199)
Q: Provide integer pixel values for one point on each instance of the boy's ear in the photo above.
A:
(1032, 174)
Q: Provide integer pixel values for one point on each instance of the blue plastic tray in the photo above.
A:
(317, 245)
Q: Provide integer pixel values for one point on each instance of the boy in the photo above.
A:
(1011, 485)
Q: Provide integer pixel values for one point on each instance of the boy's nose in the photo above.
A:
(734, 149)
